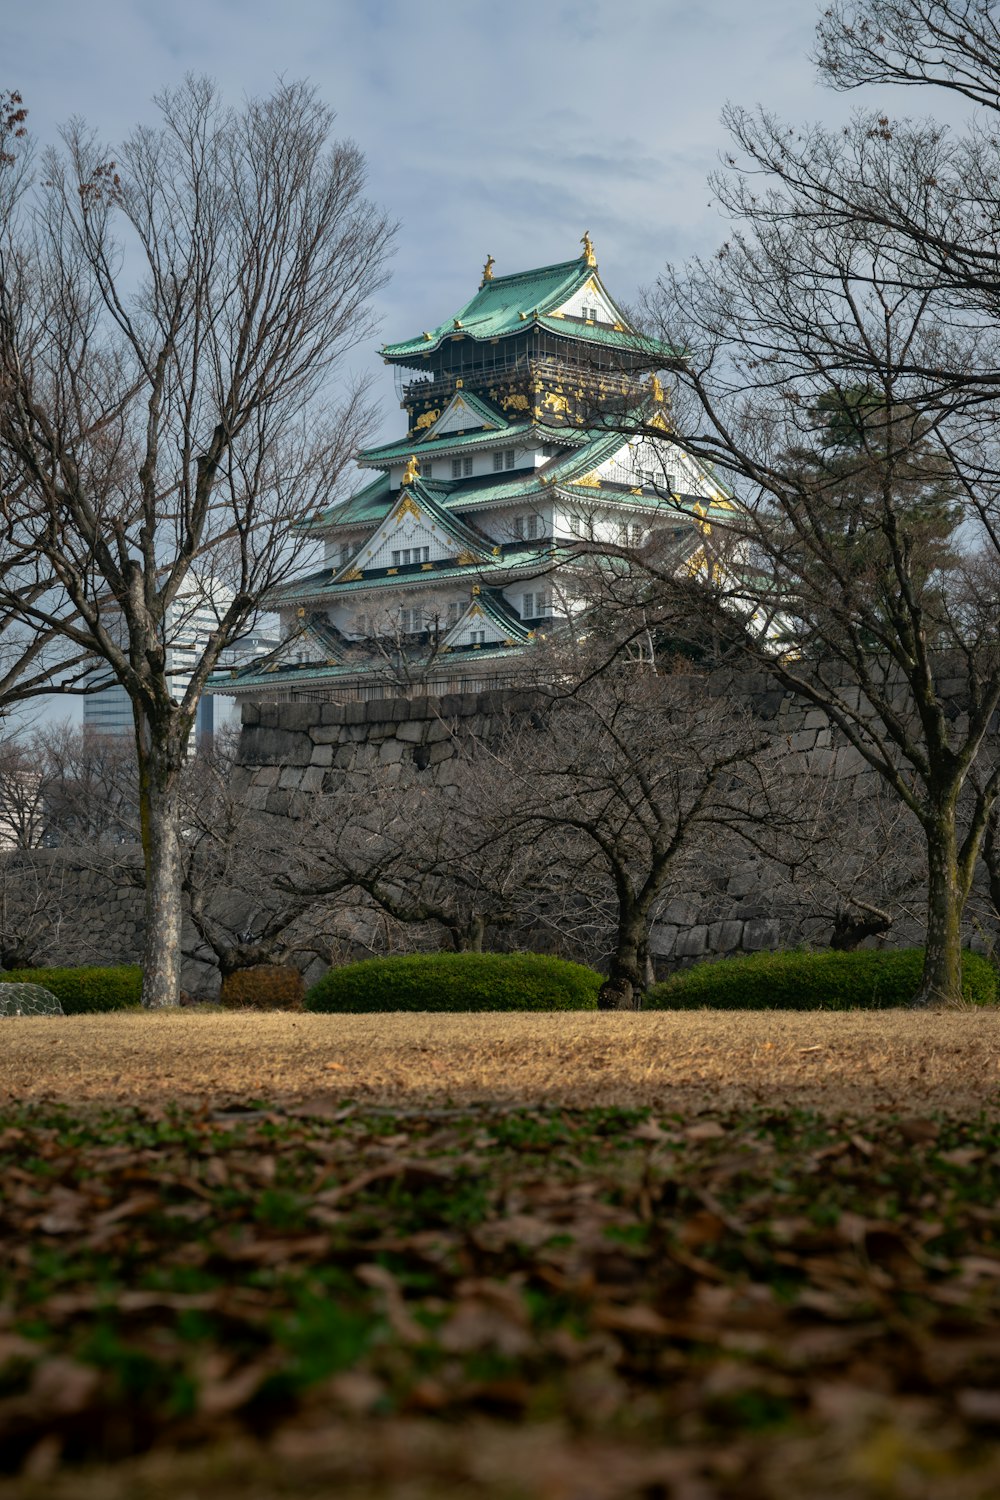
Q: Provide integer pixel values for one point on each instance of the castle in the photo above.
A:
(442, 571)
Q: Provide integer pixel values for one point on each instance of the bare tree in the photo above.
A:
(860, 278)
(622, 782)
(170, 318)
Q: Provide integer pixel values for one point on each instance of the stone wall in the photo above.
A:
(290, 751)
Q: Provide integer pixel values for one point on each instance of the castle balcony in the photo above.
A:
(580, 364)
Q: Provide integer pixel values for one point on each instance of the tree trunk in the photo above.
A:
(622, 990)
(159, 809)
(941, 981)
(467, 937)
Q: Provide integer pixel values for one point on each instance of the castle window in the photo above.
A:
(410, 621)
(534, 527)
(519, 528)
(575, 526)
(503, 459)
(533, 606)
(346, 548)
(455, 607)
(408, 555)
(461, 468)
(426, 468)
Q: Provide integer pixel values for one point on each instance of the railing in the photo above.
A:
(581, 362)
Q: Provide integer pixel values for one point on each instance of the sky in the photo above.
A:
(502, 129)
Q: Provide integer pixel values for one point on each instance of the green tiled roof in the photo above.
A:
(321, 584)
(497, 306)
(512, 304)
(302, 674)
(424, 495)
(489, 414)
(497, 610)
(400, 451)
(366, 507)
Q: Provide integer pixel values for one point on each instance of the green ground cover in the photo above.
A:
(737, 1292)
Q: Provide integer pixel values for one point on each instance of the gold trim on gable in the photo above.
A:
(407, 507)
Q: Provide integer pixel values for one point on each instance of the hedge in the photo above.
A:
(882, 979)
(85, 990)
(457, 982)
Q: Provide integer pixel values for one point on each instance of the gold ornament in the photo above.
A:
(411, 472)
(488, 270)
(588, 249)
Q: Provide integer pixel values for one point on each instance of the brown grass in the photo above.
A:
(684, 1061)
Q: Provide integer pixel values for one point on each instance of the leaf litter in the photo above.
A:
(551, 1303)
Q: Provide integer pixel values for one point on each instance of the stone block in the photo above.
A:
(268, 715)
(724, 937)
(275, 747)
(743, 881)
(768, 705)
(332, 713)
(299, 715)
(328, 734)
(441, 750)
(267, 776)
(815, 719)
(322, 755)
(759, 934)
(378, 711)
(692, 943)
(412, 733)
(278, 803)
(398, 709)
(354, 713)
(391, 752)
(804, 739)
(290, 779)
(250, 714)
(312, 779)
(683, 911)
(437, 730)
(748, 911)
(663, 939)
(345, 757)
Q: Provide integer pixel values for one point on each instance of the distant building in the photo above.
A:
(465, 545)
(190, 619)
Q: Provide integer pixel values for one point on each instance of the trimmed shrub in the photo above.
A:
(85, 990)
(263, 987)
(883, 979)
(27, 1000)
(457, 982)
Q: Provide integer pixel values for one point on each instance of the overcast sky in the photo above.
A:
(489, 128)
(502, 127)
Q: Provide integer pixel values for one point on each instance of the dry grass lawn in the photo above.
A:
(689, 1060)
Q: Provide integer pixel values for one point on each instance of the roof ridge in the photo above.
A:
(527, 275)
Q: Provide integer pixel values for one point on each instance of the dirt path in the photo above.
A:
(669, 1061)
